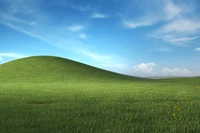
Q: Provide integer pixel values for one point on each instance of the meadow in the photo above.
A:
(77, 98)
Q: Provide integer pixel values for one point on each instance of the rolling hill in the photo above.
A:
(54, 69)
(50, 94)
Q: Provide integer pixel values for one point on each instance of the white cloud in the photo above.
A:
(58, 42)
(146, 70)
(176, 72)
(177, 40)
(98, 15)
(171, 10)
(12, 55)
(75, 28)
(176, 35)
(1, 58)
(148, 15)
(197, 49)
(14, 10)
(179, 32)
(145, 67)
(41, 29)
(180, 28)
(178, 23)
(82, 8)
(25, 31)
(132, 24)
(156, 13)
(83, 36)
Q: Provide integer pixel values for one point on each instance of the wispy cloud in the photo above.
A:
(180, 25)
(132, 24)
(177, 23)
(73, 5)
(156, 12)
(83, 36)
(1, 58)
(62, 39)
(181, 41)
(143, 16)
(78, 28)
(70, 45)
(17, 28)
(98, 15)
(180, 31)
(197, 49)
(22, 12)
(82, 8)
(75, 28)
(12, 55)
(171, 10)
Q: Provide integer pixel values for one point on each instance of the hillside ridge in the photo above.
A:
(55, 69)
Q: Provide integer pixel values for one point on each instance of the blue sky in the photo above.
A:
(134, 37)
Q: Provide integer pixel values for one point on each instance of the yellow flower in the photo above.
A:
(176, 108)
(189, 99)
(174, 114)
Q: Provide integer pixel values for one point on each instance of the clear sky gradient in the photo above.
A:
(134, 37)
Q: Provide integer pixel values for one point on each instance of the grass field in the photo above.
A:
(54, 95)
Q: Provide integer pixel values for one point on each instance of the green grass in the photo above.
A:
(78, 98)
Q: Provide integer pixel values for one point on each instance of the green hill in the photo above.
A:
(54, 69)
(46, 94)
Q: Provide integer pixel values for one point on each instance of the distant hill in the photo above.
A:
(55, 69)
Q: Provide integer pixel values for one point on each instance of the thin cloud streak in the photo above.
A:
(75, 28)
(12, 55)
(65, 45)
(98, 16)
(197, 49)
(132, 24)
(180, 41)
(82, 8)
(83, 36)
(24, 26)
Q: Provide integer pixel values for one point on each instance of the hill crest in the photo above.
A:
(55, 69)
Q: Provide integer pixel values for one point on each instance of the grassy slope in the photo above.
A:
(60, 95)
(54, 69)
